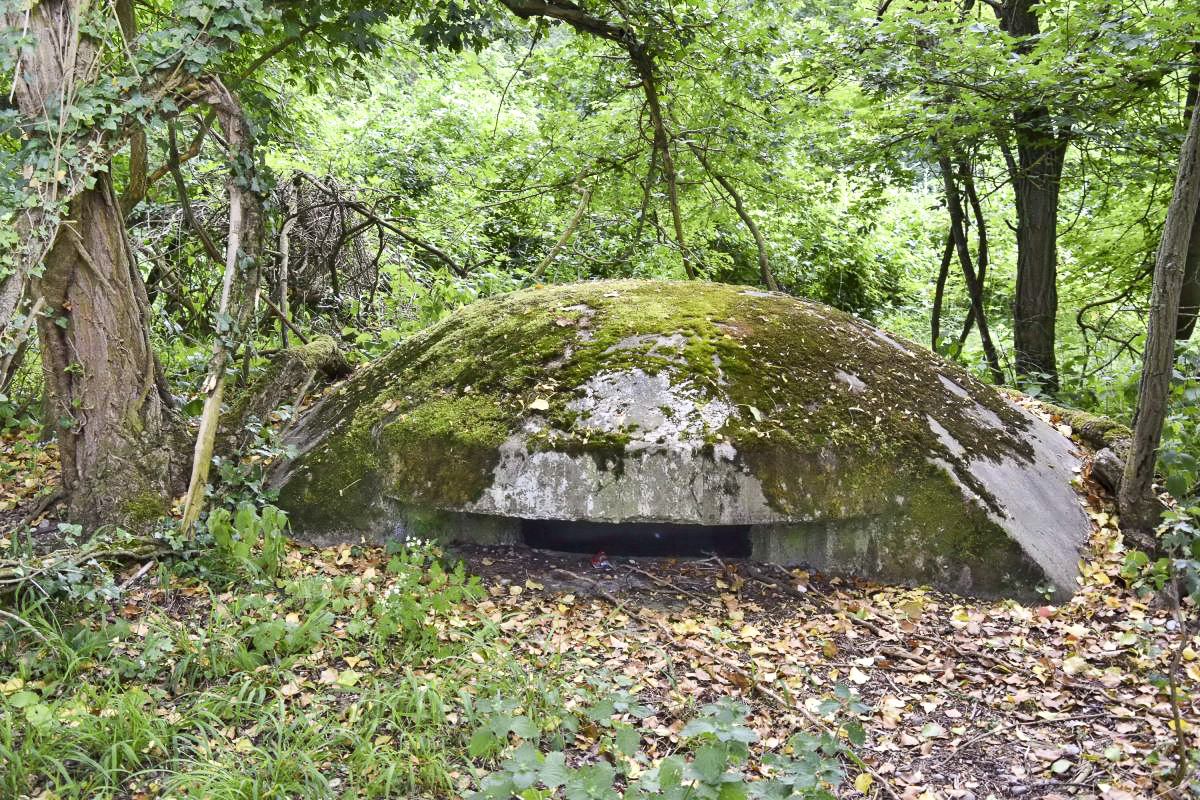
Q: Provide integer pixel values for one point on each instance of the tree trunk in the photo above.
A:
(939, 292)
(739, 206)
(112, 412)
(1035, 173)
(1140, 508)
(1189, 296)
(1036, 177)
(243, 250)
(974, 285)
(982, 258)
(643, 65)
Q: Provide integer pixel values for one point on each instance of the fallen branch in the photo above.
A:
(666, 584)
(33, 630)
(15, 573)
(600, 590)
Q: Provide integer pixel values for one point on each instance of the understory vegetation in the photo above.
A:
(251, 668)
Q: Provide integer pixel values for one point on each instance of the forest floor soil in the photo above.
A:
(967, 698)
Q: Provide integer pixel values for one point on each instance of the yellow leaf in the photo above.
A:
(863, 782)
(540, 404)
(1073, 665)
(348, 678)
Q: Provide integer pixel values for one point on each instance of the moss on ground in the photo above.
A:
(425, 423)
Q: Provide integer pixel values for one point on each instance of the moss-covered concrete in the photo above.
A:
(1094, 430)
(829, 413)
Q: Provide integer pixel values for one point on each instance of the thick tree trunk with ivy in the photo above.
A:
(116, 430)
(1140, 509)
(106, 395)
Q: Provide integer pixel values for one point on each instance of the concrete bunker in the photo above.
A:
(692, 407)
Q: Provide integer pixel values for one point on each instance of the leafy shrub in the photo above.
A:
(251, 539)
(711, 766)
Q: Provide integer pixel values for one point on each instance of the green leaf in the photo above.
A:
(23, 699)
(483, 742)
(628, 740)
(555, 771)
(709, 764)
(525, 727)
(670, 772)
(39, 715)
(592, 782)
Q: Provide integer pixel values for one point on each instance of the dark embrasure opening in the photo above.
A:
(637, 538)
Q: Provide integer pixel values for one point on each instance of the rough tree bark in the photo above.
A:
(106, 395)
(1036, 173)
(1140, 509)
(1036, 177)
(117, 432)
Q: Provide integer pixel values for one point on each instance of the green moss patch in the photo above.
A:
(824, 405)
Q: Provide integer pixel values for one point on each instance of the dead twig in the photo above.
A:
(600, 590)
(666, 584)
(136, 576)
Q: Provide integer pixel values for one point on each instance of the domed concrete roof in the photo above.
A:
(844, 447)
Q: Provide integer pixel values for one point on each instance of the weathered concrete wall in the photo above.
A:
(626, 401)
